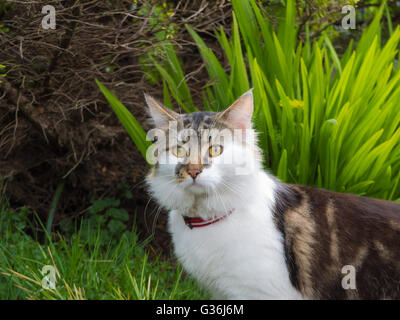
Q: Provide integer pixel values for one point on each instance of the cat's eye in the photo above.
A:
(178, 151)
(215, 150)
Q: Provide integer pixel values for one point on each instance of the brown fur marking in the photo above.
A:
(323, 231)
(300, 230)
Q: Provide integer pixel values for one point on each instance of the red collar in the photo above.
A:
(198, 222)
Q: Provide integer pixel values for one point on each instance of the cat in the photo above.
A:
(247, 235)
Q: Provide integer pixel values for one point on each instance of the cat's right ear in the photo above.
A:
(239, 114)
(160, 114)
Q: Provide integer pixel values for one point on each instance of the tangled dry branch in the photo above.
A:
(54, 123)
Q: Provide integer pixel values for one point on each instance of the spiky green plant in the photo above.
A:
(325, 120)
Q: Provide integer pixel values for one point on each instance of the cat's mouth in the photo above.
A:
(196, 187)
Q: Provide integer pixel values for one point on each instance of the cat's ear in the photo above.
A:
(160, 114)
(239, 114)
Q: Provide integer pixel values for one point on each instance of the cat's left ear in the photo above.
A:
(239, 114)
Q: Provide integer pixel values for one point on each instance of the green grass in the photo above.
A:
(87, 264)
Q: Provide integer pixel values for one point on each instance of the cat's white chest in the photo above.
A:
(239, 257)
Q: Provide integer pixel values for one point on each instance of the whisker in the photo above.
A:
(222, 202)
(153, 229)
(235, 189)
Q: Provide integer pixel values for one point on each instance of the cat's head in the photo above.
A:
(201, 155)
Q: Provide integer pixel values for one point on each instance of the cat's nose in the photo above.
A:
(194, 170)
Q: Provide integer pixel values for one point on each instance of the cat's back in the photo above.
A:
(326, 234)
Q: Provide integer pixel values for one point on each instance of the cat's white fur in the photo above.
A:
(241, 256)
